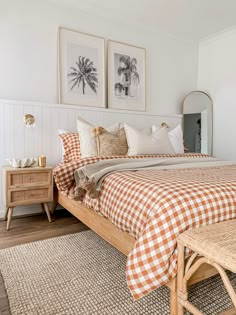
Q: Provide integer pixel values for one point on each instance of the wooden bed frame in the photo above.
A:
(123, 241)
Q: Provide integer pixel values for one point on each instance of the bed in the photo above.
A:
(141, 212)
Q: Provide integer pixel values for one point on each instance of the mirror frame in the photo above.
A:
(210, 135)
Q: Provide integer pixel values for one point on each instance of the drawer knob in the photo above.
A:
(29, 177)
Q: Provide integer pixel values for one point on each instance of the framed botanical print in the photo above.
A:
(126, 76)
(81, 72)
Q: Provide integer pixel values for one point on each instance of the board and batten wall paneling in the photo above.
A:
(16, 140)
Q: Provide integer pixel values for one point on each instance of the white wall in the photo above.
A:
(28, 54)
(217, 77)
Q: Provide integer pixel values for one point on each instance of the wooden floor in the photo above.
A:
(35, 228)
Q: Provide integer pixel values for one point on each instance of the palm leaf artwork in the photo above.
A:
(128, 71)
(84, 73)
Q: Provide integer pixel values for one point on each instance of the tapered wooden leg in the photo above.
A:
(47, 211)
(180, 276)
(6, 213)
(9, 216)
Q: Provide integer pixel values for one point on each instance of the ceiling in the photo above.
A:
(190, 19)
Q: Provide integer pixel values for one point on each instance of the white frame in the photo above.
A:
(135, 51)
(66, 36)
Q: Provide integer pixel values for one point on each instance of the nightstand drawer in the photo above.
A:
(18, 180)
(28, 196)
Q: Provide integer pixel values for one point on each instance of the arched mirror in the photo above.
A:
(197, 115)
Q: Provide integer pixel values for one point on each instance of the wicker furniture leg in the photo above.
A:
(183, 275)
(180, 276)
(186, 272)
(173, 301)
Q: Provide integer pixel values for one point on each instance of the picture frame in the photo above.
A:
(81, 68)
(126, 76)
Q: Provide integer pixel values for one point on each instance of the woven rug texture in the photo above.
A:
(81, 274)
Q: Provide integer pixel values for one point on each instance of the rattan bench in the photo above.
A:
(213, 244)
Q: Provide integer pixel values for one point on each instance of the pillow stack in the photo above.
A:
(120, 139)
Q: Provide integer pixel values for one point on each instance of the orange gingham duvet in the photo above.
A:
(155, 206)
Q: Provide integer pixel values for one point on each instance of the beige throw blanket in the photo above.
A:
(89, 178)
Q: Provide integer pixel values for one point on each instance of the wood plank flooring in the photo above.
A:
(29, 229)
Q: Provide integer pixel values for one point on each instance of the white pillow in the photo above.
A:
(140, 143)
(176, 138)
(88, 146)
(146, 131)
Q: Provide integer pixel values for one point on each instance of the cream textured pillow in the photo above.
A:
(109, 144)
(88, 145)
(176, 138)
(156, 143)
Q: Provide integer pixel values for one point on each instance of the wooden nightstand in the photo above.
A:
(25, 186)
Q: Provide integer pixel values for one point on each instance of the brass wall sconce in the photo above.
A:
(164, 125)
(29, 120)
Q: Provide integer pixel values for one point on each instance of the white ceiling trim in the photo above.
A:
(217, 36)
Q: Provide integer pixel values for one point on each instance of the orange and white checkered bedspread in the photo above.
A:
(155, 206)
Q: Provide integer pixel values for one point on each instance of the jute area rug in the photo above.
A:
(81, 274)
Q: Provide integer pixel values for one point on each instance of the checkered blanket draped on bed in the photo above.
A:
(155, 206)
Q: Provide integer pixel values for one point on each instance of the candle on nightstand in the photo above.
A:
(42, 160)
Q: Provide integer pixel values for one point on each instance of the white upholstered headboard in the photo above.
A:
(18, 141)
